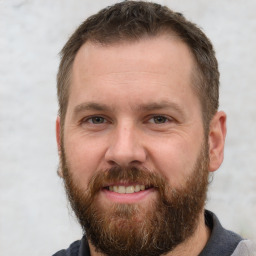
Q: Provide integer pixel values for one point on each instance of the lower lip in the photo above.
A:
(127, 198)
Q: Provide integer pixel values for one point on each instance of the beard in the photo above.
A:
(133, 229)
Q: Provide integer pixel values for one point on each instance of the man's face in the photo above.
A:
(132, 120)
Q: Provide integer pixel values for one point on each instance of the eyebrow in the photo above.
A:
(160, 105)
(141, 107)
(90, 106)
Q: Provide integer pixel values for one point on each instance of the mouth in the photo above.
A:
(127, 189)
(127, 193)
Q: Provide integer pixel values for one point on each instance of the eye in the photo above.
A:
(158, 119)
(96, 120)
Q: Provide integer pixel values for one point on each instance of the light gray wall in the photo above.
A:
(34, 216)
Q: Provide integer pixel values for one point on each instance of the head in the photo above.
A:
(138, 128)
(131, 21)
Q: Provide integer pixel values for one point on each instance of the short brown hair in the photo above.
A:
(131, 21)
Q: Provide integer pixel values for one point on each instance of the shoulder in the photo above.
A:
(245, 248)
(77, 248)
(222, 242)
(73, 250)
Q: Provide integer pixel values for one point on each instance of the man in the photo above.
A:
(138, 133)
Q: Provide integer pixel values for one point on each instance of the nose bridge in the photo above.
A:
(125, 146)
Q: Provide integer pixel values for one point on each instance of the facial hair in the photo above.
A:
(130, 229)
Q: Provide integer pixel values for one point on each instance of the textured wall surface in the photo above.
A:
(35, 218)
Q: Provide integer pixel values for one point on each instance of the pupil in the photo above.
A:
(97, 119)
(160, 119)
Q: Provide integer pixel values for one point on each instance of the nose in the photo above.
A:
(125, 147)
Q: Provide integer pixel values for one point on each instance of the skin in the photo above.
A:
(133, 104)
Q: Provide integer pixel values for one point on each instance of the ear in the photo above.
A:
(58, 139)
(217, 135)
(58, 133)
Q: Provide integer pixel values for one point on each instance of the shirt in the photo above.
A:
(222, 242)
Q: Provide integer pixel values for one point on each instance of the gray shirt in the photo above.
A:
(221, 243)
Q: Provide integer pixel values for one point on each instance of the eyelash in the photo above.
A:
(90, 120)
(104, 120)
(164, 119)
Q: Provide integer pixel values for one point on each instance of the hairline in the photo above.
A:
(196, 73)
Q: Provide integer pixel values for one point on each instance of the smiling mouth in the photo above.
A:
(128, 189)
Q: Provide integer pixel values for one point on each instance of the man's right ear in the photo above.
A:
(58, 139)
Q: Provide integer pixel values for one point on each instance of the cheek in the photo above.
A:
(174, 159)
(83, 157)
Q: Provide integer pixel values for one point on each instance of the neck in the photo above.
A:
(192, 246)
(196, 243)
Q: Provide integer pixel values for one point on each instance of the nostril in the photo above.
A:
(112, 163)
(135, 162)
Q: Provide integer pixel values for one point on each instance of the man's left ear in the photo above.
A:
(216, 139)
(58, 139)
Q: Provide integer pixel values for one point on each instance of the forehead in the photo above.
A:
(144, 65)
(153, 53)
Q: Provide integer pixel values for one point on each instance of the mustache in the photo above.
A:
(126, 175)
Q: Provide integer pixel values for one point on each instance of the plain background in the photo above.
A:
(35, 218)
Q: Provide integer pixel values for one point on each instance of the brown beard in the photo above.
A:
(130, 229)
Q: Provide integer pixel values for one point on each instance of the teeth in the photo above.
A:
(137, 188)
(121, 190)
(127, 190)
(142, 187)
